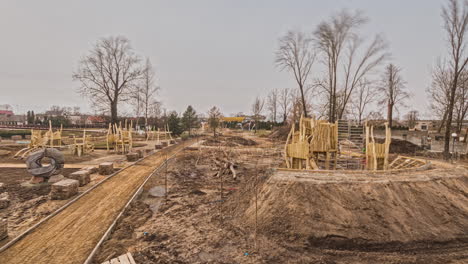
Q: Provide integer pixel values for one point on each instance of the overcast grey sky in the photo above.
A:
(206, 52)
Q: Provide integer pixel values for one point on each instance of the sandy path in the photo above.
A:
(71, 235)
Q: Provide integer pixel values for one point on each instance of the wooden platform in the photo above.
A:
(124, 259)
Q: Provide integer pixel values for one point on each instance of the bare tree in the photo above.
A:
(461, 101)
(338, 35)
(284, 102)
(257, 108)
(365, 95)
(393, 90)
(439, 92)
(108, 72)
(372, 57)
(295, 54)
(272, 104)
(455, 17)
(411, 118)
(148, 90)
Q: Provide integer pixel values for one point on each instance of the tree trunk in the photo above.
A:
(304, 108)
(390, 115)
(114, 117)
(448, 122)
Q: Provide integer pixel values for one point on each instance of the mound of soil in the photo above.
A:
(403, 147)
(369, 215)
(280, 133)
(399, 146)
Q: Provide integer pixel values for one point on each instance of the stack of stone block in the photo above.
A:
(82, 176)
(158, 145)
(91, 169)
(141, 153)
(4, 200)
(3, 229)
(64, 189)
(106, 168)
(132, 156)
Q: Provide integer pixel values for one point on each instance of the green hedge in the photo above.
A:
(9, 133)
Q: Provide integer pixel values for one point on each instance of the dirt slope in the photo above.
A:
(352, 211)
(70, 236)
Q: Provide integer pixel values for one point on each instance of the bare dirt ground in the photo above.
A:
(69, 236)
(414, 218)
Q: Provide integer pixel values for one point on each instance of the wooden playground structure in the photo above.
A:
(318, 144)
(160, 135)
(49, 139)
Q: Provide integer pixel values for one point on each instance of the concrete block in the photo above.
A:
(141, 153)
(4, 200)
(158, 146)
(3, 229)
(148, 151)
(91, 169)
(82, 176)
(106, 168)
(64, 189)
(132, 156)
(164, 143)
(16, 137)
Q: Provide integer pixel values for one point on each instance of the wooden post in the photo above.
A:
(165, 177)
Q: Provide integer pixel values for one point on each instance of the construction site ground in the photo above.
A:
(52, 240)
(298, 217)
(414, 217)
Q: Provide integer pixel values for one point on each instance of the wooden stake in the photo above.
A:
(165, 177)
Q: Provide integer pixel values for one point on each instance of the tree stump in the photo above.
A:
(82, 176)
(132, 156)
(106, 168)
(64, 189)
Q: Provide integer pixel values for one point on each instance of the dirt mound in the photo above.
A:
(375, 213)
(280, 133)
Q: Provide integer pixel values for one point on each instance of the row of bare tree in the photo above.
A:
(351, 65)
(112, 73)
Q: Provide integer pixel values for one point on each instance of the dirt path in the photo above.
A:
(70, 236)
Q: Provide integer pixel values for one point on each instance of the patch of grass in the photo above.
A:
(263, 133)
